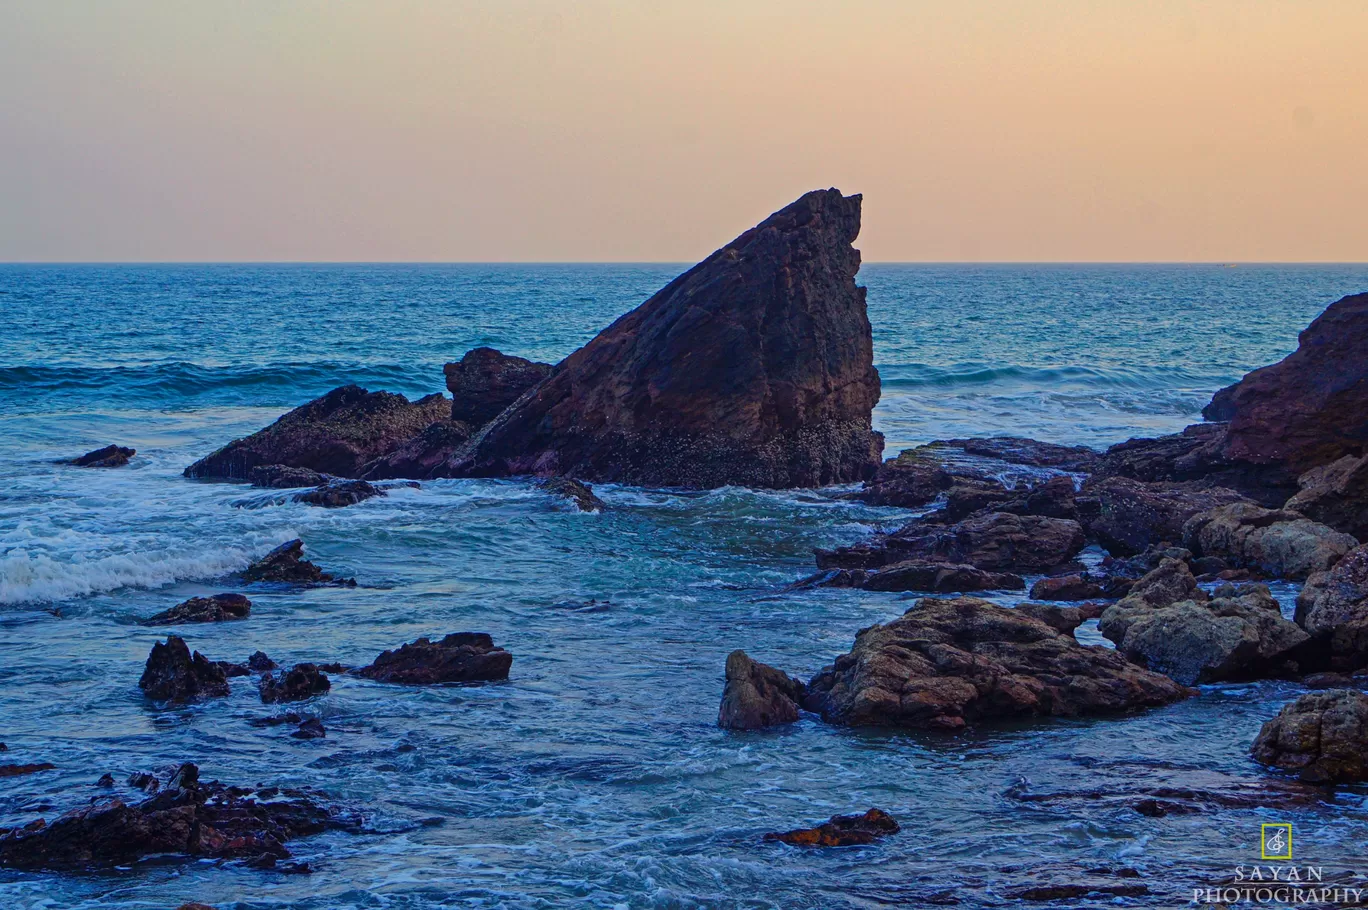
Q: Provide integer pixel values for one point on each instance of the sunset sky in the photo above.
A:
(1064, 130)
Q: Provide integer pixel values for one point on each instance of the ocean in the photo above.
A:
(596, 775)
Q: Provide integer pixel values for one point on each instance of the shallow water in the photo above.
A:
(596, 773)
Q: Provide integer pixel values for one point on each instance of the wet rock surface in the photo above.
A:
(1170, 625)
(1134, 516)
(215, 608)
(948, 663)
(1078, 586)
(336, 434)
(757, 695)
(110, 456)
(1278, 543)
(994, 542)
(938, 578)
(284, 477)
(459, 657)
(753, 368)
(1322, 737)
(174, 674)
(339, 493)
(841, 831)
(484, 382)
(581, 495)
(188, 818)
(423, 456)
(286, 563)
(1333, 609)
(300, 682)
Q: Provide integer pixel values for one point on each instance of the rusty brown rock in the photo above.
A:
(841, 831)
(757, 695)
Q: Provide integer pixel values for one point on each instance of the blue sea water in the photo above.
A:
(596, 774)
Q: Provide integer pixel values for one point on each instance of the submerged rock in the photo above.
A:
(757, 695)
(459, 657)
(841, 831)
(753, 368)
(1336, 495)
(188, 818)
(1168, 624)
(948, 663)
(1311, 408)
(581, 494)
(286, 563)
(336, 434)
(301, 682)
(109, 457)
(1278, 543)
(284, 477)
(173, 674)
(1333, 609)
(484, 382)
(1322, 736)
(215, 608)
(24, 770)
(340, 493)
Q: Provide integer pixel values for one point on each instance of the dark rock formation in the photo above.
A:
(1333, 609)
(335, 434)
(1134, 516)
(484, 382)
(460, 657)
(1168, 624)
(284, 477)
(260, 663)
(186, 819)
(994, 542)
(286, 563)
(1063, 620)
(1067, 587)
(173, 674)
(1311, 408)
(339, 493)
(914, 478)
(841, 831)
(757, 695)
(24, 770)
(948, 663)
(423, 456)
(310, 728)
(108, 457)
(1322, 736)
(1336, 495)
(301, 682)
(1031, 452)
(216, 608)
(1278, 543)
(753, 368)
(580, 494)
(938, 578)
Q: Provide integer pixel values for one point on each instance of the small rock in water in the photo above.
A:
(757, 695)
(841, 831)
(173, 674)
(141, 780)
(284, 477)
(286, 563)
(21, 770)
(310, 729)
(217, 608)
(581, 494)
(108, 457)
(106, 780)
(460, 657)
(301, 682)
(340, 493)
(260, 663)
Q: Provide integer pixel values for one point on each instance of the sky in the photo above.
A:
(531, 130)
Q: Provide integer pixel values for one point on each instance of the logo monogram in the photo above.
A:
(1275, 841)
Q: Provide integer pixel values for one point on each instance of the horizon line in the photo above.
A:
(674, 262)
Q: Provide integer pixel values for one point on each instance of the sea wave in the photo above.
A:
(38, 578)
(1153, 376)
(42, 387)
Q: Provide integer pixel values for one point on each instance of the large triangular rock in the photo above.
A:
(755, 367)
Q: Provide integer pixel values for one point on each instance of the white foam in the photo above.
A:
(38, 578)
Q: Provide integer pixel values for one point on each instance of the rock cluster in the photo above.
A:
(841, 831)
(1278, 543)
(173, 674)
(299, 683)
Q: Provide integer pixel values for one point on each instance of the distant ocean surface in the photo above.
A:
(596, 774)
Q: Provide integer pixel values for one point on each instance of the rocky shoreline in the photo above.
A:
(755, 368)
